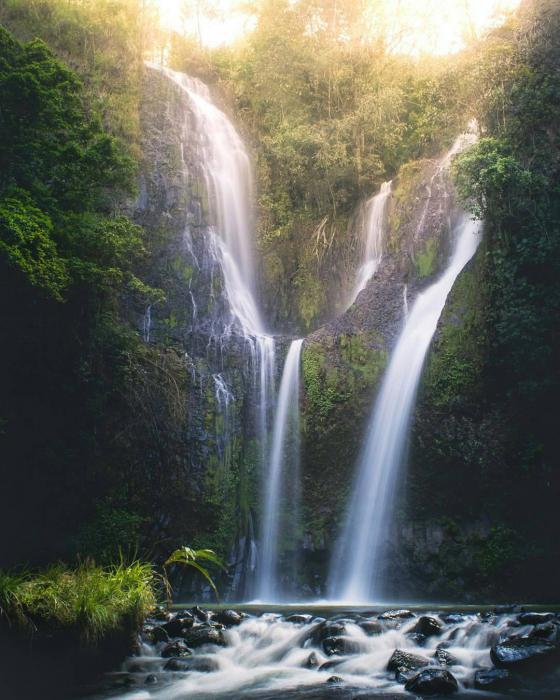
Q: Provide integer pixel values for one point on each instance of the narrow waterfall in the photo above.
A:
(372, 239)
(354, 572)
(284, 459)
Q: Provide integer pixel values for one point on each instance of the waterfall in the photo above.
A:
(225, 169)
(372, 231)
(355, 566)
(283, 455)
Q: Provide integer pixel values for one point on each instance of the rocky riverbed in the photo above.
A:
(316, 653)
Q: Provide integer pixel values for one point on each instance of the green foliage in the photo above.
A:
(426, 259)
(192, 557)
(94, 600)
(26, 245)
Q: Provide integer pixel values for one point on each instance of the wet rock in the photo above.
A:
(299, 619)
(403, 675)
(452, 618)
(547, 630)
(328, 628)
(137, 668)
(178, 625)
(432, 681)
(340, 645)
(161, 614)
(492, 679)
(418, 639)
(403, 660)
(192, 663)
(158, 634)
(229, 618)
(334, 680)
(371, 627)
(517, 651)
(151, 679)
(313, 661)
(178, 648)
(427, 626)
(534, 618)
(198, 636)
(333, 663)
(444, 657)
(200, 614)
(486, 616)
(396, 615)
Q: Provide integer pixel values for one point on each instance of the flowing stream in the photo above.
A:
(356, 562)
(284, 460)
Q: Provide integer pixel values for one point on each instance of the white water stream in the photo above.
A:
(354, 574)
(284, 454)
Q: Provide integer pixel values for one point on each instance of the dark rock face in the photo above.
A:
(518, 651)
(433, 681)
(158, 634)
(198, 636)
(312, 661)
(199, 664)
(335, 680)
(178, 625)
(427, 626)
(403, 660)
(492, 679)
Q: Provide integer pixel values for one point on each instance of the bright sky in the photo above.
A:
(438, 27)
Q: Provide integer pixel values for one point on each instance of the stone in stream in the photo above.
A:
(151, 679)
(328, 628)
(432, 681)
(444, 658)
(452, 618)
(517, 651)
(403, 660)
(335, 680)
(333, 663)
(312, 661)
(192, 663)
(198, 636)
(396, 615)
(177, 626)
(229, 618)
(299, 619)
(370, 627)
(427, 626)
(547, 630)
(200, 614)
(492, 679)
(340, 645)
(178, 648)
(534, 618)
(158, 634)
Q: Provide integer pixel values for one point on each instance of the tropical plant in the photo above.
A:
(192, 558)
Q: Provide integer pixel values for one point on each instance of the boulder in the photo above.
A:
(432, 681)
(547, 630)
(299, 619)
(200, 664)
(517, 651)
(198, 636)
(452, 618)
(158, 634)
(371, 627)
(177, 626)
(340, 645)
(328, 628)
(200, 614)
(312, 661)
(151, 679)
(492, 679)
(427, 626)
(335, 680)
(444, 657)
(228, 618)
(178, 648)
(534, 618)
(396, 615)
(403, 660)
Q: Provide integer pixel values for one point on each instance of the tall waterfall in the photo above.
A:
(283, 460)
(226, 171)
(355, 566)
(372, 239)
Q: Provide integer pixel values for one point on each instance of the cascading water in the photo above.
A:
(355, 566)
(284, 454)
(372, 239)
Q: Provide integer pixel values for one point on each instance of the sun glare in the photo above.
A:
(415, 27)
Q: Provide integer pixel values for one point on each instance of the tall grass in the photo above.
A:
(91, 599)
